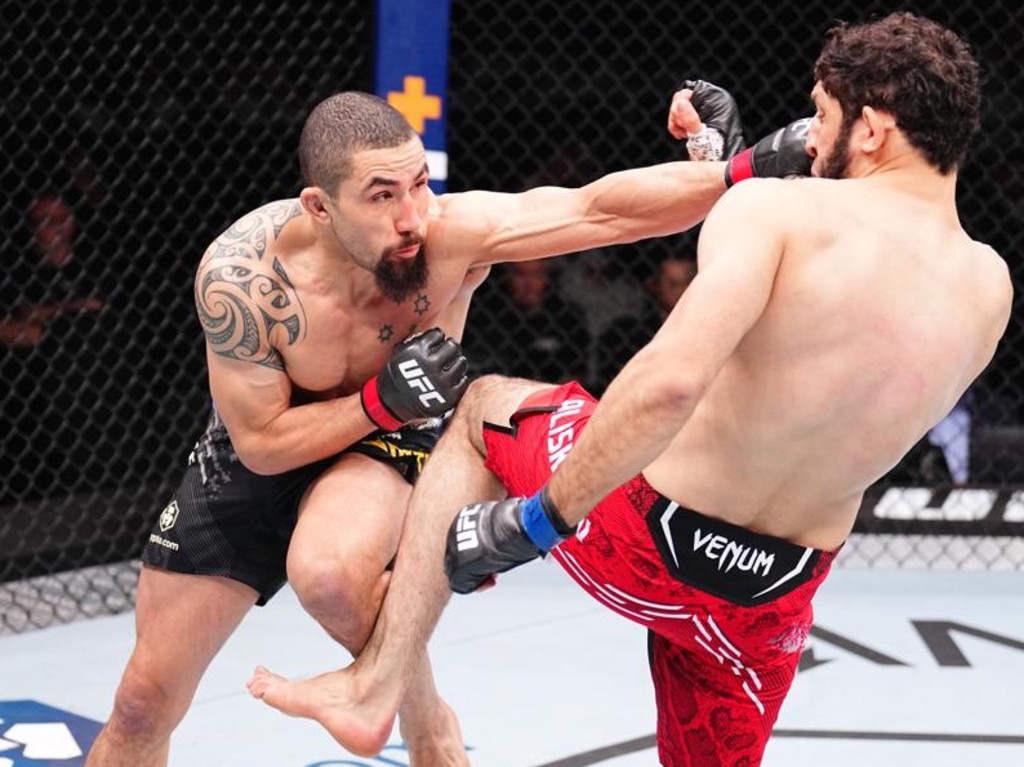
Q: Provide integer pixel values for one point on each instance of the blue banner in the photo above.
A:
(412, 72)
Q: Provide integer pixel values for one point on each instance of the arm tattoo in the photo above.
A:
(245, 310)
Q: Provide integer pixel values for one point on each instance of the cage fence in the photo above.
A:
(133, 134)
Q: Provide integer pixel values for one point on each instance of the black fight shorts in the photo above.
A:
(225, 520)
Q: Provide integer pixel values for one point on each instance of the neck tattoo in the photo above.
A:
(421, 304)
(420, 307)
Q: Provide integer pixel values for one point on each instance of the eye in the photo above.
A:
(381, 197)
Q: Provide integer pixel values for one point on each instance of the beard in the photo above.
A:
(837, 163)
(397, 278)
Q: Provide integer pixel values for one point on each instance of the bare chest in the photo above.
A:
(343, 347)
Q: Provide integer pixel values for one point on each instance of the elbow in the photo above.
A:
(676, 395)
(254, 455)
(259, 464)
(668, 388)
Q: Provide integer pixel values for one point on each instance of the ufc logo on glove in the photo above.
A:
(417, 379)
(390, 398)
(465, 528)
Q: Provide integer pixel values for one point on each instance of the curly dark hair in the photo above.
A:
(341, 125)
(915, 69)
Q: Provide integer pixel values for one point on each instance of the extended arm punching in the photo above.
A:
(620, 207)
(651, 399)
(780, 154)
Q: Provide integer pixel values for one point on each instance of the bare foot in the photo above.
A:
(442, 746)
(360, 724)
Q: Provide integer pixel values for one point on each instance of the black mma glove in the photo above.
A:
(425, 377)
(777, 155)
(495, 536)
(717, 109)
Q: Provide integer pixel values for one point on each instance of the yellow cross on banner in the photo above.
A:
(415, 104)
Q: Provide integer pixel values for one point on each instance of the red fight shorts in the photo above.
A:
(728, 611)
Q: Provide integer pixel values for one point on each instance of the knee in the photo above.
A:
(322, 585)
(479, 389)
(326, 578)
(473, 405)
(342, 597)
(144, 709)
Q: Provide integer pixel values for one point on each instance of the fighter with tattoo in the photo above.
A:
(331, 325)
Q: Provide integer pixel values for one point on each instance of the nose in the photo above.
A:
(408, 218)
(811, 142)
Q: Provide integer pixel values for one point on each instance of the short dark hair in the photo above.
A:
(914, 68)
(341, 125)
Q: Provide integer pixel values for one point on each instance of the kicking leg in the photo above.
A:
(348, 530)
(358, 706)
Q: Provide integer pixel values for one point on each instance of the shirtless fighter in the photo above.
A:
(318, 427)
(832, 322)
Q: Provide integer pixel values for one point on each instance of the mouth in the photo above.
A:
(410, 251)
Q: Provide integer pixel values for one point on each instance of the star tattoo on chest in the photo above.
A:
(385, 334)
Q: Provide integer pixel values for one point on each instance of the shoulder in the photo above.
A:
(765, 209)
(246, 303)
(990, 256)
(776, 198)
(273, 215)
(465, 210)
(462, 223)
(246, 249)
(767, 188)
(996, 273)
(251, 235)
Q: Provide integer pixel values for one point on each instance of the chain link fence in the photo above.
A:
(133, 134)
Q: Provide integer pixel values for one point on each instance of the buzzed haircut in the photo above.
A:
(341, 125)
(915, 69)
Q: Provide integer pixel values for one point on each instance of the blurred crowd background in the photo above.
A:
(132, 134)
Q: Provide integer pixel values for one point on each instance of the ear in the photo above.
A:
(879, 123)
(313, 199)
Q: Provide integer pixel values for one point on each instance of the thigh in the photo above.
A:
(496, 400)
(225, 520)
(352, 515)
(539, 435)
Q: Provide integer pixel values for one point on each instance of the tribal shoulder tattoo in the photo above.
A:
(247, 307)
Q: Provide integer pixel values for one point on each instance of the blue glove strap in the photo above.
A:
(537, 524)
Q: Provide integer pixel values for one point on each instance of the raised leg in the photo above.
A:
(358, 705)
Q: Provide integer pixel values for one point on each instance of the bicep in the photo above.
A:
(246, 311)
(494, 227)
(248, 396)
(620, 207)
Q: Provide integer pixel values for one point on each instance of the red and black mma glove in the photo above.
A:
(425, 378)
(778, 155)
(492, 537)
(717, 110)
